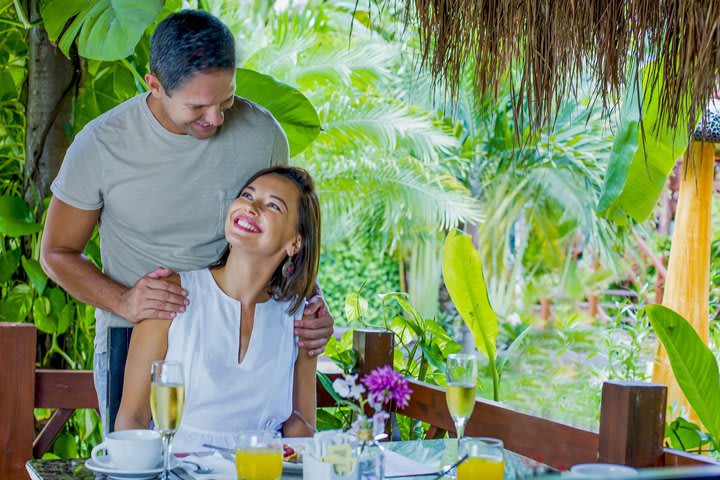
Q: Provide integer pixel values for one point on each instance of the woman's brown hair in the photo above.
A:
(301, 284)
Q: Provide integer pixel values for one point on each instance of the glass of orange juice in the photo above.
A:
(485, 459)
(258, 455)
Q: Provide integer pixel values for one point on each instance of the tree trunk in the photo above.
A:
(48, 108)
(687, 288)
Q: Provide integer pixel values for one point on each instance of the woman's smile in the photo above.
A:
(244, 223)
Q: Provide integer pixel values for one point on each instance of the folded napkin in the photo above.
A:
(397, 465)
(223, 468)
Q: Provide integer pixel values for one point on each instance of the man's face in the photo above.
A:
(197, 107)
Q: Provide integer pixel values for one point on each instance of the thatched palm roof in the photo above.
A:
(553, 43)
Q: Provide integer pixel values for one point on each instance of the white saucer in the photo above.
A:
(602, 470)
(105, 467)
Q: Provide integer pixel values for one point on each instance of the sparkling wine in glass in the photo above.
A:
(167, 399)
(462, 372)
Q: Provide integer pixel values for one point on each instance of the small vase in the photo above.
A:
(371, 456)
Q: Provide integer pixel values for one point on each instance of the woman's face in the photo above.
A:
(263, 218)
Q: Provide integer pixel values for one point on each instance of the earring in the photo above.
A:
(288, 268)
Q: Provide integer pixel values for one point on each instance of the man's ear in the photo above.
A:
(154, 85)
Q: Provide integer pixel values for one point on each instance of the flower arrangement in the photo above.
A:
(376, 389)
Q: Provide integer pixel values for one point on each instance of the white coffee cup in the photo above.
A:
(131, 449)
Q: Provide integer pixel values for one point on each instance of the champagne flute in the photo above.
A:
(462, 371)
(167, 399)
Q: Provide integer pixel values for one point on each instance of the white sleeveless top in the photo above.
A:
(222, 397)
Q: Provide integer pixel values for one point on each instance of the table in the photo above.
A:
(437, 453)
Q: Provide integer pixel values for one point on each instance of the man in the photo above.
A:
(156, 174)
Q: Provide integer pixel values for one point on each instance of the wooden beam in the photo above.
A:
(549, 442)
(17, 390)
(632, 424)
(65, 389)
(679, 458)
(48, 434)
(687, 285)
(374, 348)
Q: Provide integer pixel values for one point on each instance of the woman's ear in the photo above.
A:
(295, 246)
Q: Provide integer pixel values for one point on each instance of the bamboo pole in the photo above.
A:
(687, 285)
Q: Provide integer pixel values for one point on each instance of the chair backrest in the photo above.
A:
(118, 344)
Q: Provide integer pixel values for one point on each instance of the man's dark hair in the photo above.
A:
(190, 42)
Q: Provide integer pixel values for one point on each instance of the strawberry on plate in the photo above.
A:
(290, 454)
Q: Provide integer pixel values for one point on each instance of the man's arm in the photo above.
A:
(67, 232)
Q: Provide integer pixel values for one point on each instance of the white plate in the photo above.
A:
(104, 466)
(293, 467)
(297, 443)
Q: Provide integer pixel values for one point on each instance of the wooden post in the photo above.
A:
(374, 348)
(632, 424)
(17, 398)
(687, 284)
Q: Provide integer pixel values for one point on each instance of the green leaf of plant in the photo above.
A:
(57, 299)
(16, 306)
(288, 105)
(693, 364)
(328, 421)
(415, 320)
(638, 171)
(65, 318)
(16, 218)
(9, 263)
(356, 307)
(35, 274)
(444, 342)
(104, 29)
(685, 435)
(89, 423)
(56, 13)
(65, 446)
(465, 281)
(41, 316)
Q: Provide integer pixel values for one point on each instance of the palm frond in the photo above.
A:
(382, 123)
(362, 195)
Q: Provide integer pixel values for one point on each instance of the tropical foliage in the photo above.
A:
(397, 169)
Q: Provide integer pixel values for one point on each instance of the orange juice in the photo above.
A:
(258, 464)
(485, 468)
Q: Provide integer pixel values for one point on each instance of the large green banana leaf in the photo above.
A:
(638, 169)
(104, 29)
(465, 281)
(288, 105)
(693, 364)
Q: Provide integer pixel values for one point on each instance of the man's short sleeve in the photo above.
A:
(281, 149)
(78, 181)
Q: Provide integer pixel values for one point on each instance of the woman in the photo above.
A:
(242, 368)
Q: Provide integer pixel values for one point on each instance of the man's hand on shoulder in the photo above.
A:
(153, 296)
(316, 326)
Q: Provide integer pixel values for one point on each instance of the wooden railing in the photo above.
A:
(632, 415)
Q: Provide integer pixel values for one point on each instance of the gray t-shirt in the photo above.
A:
(163, 197)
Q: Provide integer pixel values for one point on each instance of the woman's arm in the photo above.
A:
(304, 397)
(148, 343)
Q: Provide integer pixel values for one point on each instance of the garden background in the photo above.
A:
(397, 168)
